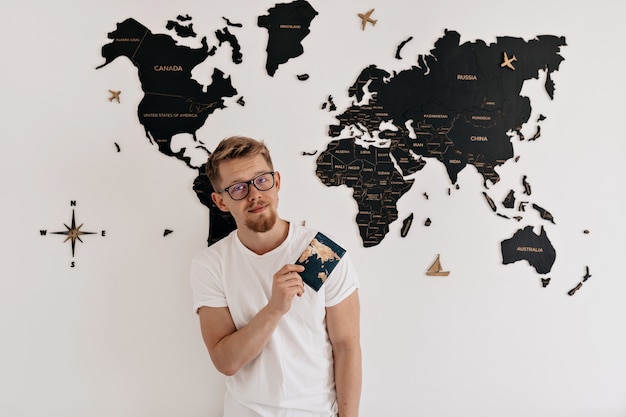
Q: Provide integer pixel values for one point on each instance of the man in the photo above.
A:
(286, 349)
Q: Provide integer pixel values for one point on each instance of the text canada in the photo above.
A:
(168, 68)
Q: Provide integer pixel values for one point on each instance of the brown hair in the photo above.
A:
(232, 148)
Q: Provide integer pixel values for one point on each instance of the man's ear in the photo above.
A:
(219, 201)
(277, 180)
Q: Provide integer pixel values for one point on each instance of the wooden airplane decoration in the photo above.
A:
(366, 18)
(508, 62)
(115, 95)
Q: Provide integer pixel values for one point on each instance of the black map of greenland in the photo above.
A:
(287, 25)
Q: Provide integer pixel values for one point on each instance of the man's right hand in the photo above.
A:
(287, 284)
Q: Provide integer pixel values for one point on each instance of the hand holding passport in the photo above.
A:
(319, 259)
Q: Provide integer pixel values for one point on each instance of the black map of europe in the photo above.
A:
(457, 105)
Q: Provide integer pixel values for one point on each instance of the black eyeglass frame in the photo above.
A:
(248, 183)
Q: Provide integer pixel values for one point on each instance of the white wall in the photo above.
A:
(115, 335)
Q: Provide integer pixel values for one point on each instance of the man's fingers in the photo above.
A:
(289, 275)
(289, 279)
(293, 281)
(290, 268)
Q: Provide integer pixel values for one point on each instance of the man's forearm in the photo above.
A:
(348, 379)
(231, 348)
(239, 348)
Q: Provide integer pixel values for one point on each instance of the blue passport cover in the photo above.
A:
(319, 258)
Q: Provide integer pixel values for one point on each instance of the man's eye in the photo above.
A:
(261, 180)
(237, 188)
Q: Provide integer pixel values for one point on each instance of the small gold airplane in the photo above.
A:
(508, 62)
(115, 95)
(365, 18)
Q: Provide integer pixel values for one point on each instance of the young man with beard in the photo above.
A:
(286, 349)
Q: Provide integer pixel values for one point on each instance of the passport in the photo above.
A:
(319, 259)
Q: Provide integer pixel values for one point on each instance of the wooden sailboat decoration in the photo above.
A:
(435, 269)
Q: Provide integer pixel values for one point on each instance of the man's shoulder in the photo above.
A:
(217, 249)
(302, 234)
(308, 233)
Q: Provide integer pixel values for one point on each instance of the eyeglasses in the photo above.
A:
(240, 190)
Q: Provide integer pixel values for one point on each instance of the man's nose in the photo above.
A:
(253, 192)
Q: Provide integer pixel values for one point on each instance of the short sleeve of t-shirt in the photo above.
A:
(341, 282)
(205, 282)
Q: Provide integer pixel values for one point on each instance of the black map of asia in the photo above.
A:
(456, 105)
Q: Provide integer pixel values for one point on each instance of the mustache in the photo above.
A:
(257, 205)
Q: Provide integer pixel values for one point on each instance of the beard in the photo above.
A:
(262, 224)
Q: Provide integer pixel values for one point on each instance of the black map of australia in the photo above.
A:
(537, 250)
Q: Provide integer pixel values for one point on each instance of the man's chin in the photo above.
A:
(262, 224)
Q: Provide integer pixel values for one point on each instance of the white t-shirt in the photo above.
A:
(293, 376)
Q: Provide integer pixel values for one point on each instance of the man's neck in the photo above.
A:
(262, 243)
